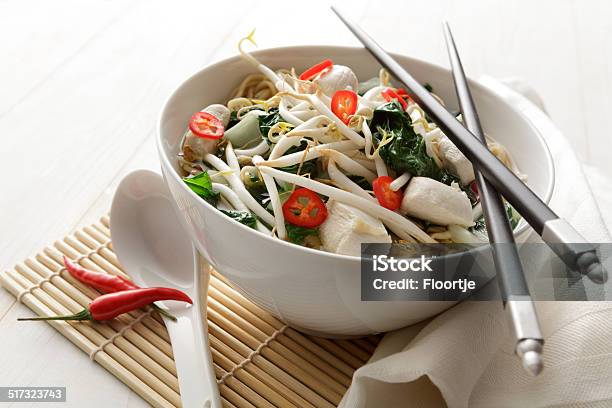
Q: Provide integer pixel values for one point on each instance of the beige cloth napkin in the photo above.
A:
(464, 357)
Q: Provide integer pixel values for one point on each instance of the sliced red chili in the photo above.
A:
(405, 94)
(386, 196)
(304, 208)
(317, 69)
(344, 104)
(389, 95)
(474, 189)
(203, 124)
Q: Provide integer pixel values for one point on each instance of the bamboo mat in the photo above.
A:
(259, 361)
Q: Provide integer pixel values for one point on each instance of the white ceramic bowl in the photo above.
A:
(312, 290)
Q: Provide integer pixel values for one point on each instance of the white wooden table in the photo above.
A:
(81, 84)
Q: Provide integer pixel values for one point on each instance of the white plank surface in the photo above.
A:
(81, 84)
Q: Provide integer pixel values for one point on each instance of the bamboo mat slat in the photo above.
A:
(258, 360)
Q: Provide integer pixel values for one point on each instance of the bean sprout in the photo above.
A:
(275, 201)
(313, 153)
(319, 105)
(230, 196)
(260, 149)
(381, 167)
(400, 182)
(231, 158)
(345, 183)
(402, 226)
(240, 189)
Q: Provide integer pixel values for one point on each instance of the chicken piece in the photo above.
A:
(194, 147)
(339, 78)
(455, 161)
(346, 228)
(436, 202)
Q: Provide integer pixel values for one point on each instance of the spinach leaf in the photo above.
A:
(233, 120)
(298, 235)
(272, 118)
(308, 167)
(220, 153)
(202, 186)
(283, 195)
(479, 225)
(299, 148)
(513, 218)
(361, 182)
(260, 193)
(406, 151)
(243, 217)
(269, 120)
(234, 116)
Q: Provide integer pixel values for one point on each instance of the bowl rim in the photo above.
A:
(165, 161)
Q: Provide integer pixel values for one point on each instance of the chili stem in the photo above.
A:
(85, 315)
(164, 312)
(82, 315)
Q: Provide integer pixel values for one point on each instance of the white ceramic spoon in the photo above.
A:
(152, 247)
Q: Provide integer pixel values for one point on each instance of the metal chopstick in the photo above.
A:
(563, 239)
(510, 273)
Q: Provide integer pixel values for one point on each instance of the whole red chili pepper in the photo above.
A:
(105, 282)
(111, 305)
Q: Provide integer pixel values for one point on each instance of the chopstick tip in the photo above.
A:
(533, 363)
(530, 353)
(446, 28)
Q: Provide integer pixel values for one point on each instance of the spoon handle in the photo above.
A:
(194, 365)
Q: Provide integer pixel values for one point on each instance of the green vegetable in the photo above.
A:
(220, 153)
(202, 186)
(265, 124)
(254, 184)
(267, 121)
(428, 86)
(283, 195)
(256, 187)
(243, 217)
(308, 167)
(259, 193)
(361, 182)
(251, 177)
(513, 218)
(479, 225)
(406, 151)
(244, 133)
(233, 120)
(298, 235)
